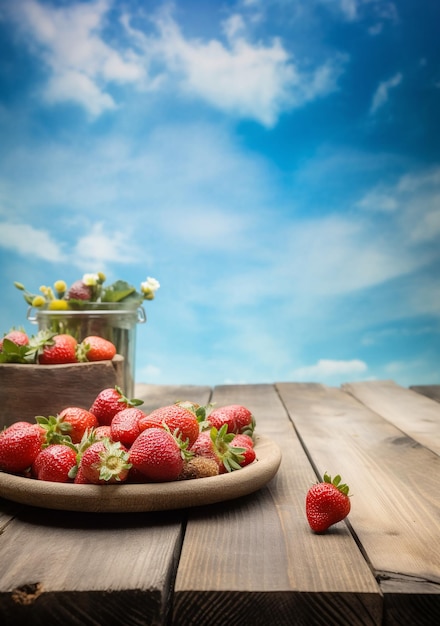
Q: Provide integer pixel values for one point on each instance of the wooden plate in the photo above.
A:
(128, 498)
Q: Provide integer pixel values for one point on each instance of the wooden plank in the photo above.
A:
(155, 396)
(70, 568)
(430, 391)
(415, 415)
(28, 390)
(256, 561)
(395, 507)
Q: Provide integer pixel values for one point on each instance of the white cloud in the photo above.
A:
(77, 87)
(96, 249)
(381, 94)
(241, 78)
(69, 43)
(328, 368)
(30, 242)
(244, 79)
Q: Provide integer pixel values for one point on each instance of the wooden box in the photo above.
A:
(30, 390)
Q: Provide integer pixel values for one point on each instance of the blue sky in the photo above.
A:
(275, 164)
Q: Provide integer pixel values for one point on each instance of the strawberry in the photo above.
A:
(60, 349)
(102, 432)
(215, 444)
(327, 503)
(18, 337)
(19, 447)
(75, 422)
(180, 420)
(79, 291)
(199, 467)
(95, 348)
(56, 463)
(245, 442)
(125, 425)
(237, 417)
(109, 402)
(158, 455)
(14, 348)
(104, 462)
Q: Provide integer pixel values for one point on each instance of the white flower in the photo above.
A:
(150, 285)
(90, 279)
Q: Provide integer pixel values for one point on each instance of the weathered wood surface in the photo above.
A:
(28, 390)
(416, 415)
(394, 480)
(430, 391)
(257, 562)
(88, 569)
(250, 561)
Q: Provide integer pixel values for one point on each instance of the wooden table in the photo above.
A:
(254, 560)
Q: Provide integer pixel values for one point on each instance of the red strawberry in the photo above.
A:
(75, 421)
(179, 420)
(60, 349)
(102, 432)
(79, 291)
(80, 479)
(56, 463)
(109, 402)
(237, 417)
(245, 442)
(327, 503)
(157, 454)
(19, 447)
(94, 348)
(215, 444)
(16, 336)
(104, 462)
(125, 425)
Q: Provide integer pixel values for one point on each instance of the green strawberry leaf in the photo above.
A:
(120, 291)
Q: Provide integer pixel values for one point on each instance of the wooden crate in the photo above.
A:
(30, 390)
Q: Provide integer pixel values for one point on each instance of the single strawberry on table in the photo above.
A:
(327, 503)
(109, 402)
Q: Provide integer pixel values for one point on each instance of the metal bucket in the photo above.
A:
(113, 321)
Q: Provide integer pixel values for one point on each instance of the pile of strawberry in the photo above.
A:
(115, 441)
(48, 348)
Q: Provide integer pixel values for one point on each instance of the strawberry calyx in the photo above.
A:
(231, 456)
(336, 482)
(113, 460)
(185, 453)
(55, 431)
(128, 401)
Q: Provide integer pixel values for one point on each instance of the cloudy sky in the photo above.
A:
(275, 164)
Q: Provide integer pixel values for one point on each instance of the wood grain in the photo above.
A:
(29, 390)
(430, 391)
(69, 568)
(399, 406)
(255, 561)
(79, 569)
(394, 480)
(155, 396)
